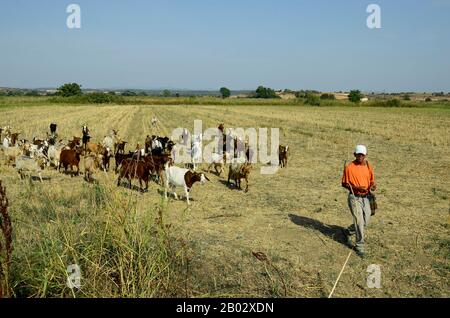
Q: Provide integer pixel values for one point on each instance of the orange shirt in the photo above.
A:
(359, 175)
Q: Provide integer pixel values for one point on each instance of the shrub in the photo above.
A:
(355, 96)
(406, 97)
(312, 100)
(327, 96)
(100, 98)
(166, 93)
(393, 103)
(67, 90)
(128, 93)
(428, 99)
(265, 92)
(32, 93)
(225, 92)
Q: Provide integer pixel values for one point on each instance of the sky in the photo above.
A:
(241, 44)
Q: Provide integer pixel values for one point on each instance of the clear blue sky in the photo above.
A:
(206, 44)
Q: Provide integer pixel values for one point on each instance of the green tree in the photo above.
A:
(128, 93)
(71, 89)
(355, 96)
(167, 93)
(225, 92)
(265, 92)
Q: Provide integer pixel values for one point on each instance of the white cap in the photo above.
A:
(361, 149)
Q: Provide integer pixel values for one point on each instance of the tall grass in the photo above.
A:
(121, 251)
(6, 246)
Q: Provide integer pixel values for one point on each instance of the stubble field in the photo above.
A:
(294, 217)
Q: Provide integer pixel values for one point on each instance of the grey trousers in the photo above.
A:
(360, 209)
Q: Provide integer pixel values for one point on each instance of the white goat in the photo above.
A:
(180, 177)
(26, 164)
(196, 153)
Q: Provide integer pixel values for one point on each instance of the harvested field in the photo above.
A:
(294, 217)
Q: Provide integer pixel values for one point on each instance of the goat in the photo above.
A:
(218, 161)
(134, 169)
(27, 164)
(91, 165)
(180, 177)
(70, 158)
(283, 155)
(238, 171)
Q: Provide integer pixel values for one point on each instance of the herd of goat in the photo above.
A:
(153, 162)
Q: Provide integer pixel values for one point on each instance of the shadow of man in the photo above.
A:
(334, 232)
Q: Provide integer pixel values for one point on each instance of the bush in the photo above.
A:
(327, 96)
(67, 90)
(428, 99)
(312, 100)
(166, 93)
(101, 98)
(128, 93)
(355, 96)
(32, 93)
(265, 92)
(91, 98)
(225, 92)
(393, 103)
(406, 97)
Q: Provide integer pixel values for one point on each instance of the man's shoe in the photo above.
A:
(348, 238)
(360, 253)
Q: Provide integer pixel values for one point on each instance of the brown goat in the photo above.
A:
(134, 169)
(239, 171)
(70, 158)
(283, 156)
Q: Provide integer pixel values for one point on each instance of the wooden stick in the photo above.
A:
(339, 277)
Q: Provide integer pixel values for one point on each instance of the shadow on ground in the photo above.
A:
(334, 232)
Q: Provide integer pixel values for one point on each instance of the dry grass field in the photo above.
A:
(294, 217)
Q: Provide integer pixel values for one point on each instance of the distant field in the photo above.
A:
(7, 102)
(131, 245)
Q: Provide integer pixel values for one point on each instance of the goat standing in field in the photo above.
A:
(238, 171)
(180, 177)
(134, 169)
(196, 151)
(29, 165)
(86, 136)
(218, 162)
(283, 153)
(92, 164)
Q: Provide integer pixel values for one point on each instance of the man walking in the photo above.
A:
(359, 179)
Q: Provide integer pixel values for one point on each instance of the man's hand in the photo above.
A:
(373, 188)
(360, 189)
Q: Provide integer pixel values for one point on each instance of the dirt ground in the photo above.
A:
(295, 217)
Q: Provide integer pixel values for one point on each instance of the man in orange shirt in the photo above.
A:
(359, 179)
